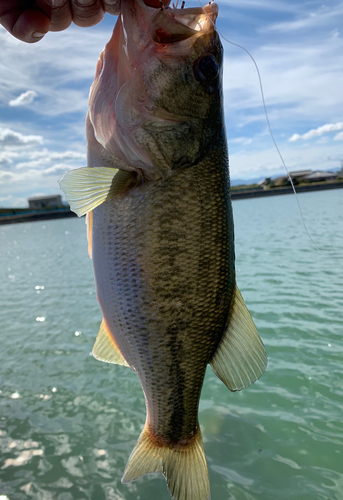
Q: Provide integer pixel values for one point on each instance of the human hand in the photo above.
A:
(30, 20)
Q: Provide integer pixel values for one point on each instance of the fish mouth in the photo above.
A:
(126, 93)
(163, 30)
(172, 25)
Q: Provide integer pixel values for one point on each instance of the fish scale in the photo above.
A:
(160, 229)
(182, 275)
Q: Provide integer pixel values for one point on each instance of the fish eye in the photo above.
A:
(206, 68)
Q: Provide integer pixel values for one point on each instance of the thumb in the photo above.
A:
(28, 25)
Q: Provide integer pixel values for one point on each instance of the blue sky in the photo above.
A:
(298, 46)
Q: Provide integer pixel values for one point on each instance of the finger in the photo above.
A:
(87, 12)
(26, 25)
(58, 11)
(112, 6)
(157, 3)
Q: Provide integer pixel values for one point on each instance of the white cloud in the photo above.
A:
(310, 20)
(7, 157)
(241, 140)
(9, 137)
(338, 137)
(56, 170)
(62, 81)
(251, 162)
(6, 176)
(298, 47)
(27, 166)
(324, 129)
(2, 199)
(33, 164)
(302, 78)
(68, 155)
(41, 160)
(48, 155)
(24, 99)
(266, 5)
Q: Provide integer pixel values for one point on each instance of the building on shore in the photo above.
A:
(53, 201)
(320, 176)
(299, 177)
(299, 174)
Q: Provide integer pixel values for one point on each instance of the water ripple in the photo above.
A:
(68, 423)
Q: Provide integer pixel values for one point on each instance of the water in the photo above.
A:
(68, 422)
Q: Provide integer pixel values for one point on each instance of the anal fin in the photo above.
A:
(106, 349)
(240, 358)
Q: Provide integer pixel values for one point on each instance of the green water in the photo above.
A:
(68, 422)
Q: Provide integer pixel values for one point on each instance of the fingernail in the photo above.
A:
(37, 35)
(56, 3)
(85, 2)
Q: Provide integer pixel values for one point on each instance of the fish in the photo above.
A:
(156, 194)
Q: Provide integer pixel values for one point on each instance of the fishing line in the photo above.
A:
(273, 138)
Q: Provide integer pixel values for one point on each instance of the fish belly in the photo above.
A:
(163, 259)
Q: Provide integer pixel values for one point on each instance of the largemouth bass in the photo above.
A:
(156, 192)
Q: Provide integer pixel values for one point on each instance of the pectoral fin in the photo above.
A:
(240, 358)
(89, 222)
(86, 188)
(106, 349)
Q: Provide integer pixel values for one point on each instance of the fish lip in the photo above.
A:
(210, 9)
(171, 25)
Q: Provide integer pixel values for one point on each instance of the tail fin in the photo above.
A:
(184, 466)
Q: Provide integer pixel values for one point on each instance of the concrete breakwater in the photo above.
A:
(8, 216)
(239, 194)
(15, 215)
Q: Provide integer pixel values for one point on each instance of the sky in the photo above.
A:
(297, 45)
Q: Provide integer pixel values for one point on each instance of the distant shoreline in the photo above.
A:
(26, 215)
(31, 216)
(240, 194)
